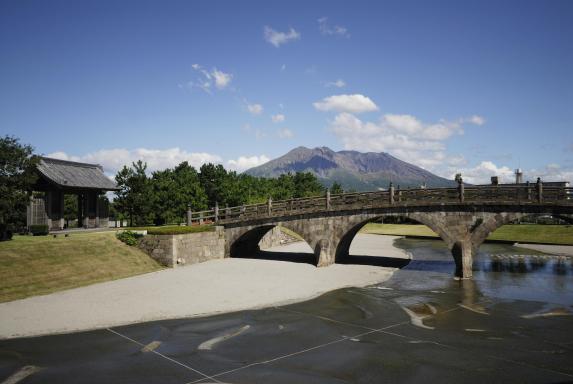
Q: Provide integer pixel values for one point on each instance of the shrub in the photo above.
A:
(39, 230)
(5, 233)
(128, 237)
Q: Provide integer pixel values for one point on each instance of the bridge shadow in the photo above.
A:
(377, 261)
(309, 258)
(291, 257)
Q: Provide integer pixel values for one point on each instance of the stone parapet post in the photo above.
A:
(391, 192)
(539, 187)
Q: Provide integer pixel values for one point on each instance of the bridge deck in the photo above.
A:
(519, 195)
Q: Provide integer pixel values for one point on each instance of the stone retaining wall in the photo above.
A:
(188, 248)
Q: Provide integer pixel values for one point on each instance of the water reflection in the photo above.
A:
(500, 271)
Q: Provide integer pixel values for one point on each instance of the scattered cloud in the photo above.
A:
(404, 136)
(338, 84)
(222, 79)
(245, 162)
(346, 103)
(277, 38)
(283, 67)
(255, 109)
(114, 159)
(206, 79)
(278, 118)
(475, 119)
(285, 133)
(331, 30)
(481, 173)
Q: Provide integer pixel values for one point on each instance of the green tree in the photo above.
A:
(306, 185)
(173, 190)
(17, 176)
(214, 179)
(336, 188)
(70, 208)
(135, 198)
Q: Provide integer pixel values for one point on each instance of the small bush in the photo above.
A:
(39, 230)
(128, 237)
(5, 233)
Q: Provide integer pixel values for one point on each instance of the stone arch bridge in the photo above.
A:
(463, 217)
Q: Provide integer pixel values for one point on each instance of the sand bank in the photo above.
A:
(208, 288)
(560, 250)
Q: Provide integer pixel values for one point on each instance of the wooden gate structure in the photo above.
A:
(57, 178)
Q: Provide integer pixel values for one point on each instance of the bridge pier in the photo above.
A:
(462, 251)
(324, 253)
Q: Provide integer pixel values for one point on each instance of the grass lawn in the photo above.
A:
(522, 233)
(36, 265)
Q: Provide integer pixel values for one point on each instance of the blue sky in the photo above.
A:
(479, 87)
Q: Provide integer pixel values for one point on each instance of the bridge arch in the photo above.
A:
(245, 240)
(349, 233)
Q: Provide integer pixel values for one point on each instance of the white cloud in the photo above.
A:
(475, 119)
(283, 67)
(285, 133)
(255, 109)
(277, 38)
(482, 173)
(114, 159)
(245, 162)
(338, 84)
(346, 103)
(206, 79)
(222, 79)
(404, 136)
(278, 118)
(329, 30)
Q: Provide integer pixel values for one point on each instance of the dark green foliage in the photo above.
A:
(70, 208)
(39, 230)
(306, 185)
(164, 197)
(135, 198)
(128, 237)
(5, 232)
(17, 175)
(336, 188)
(173, 190)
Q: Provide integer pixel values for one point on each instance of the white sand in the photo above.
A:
(198, 290)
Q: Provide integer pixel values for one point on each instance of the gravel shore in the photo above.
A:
(204, 289)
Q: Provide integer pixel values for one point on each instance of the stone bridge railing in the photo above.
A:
(495, 194)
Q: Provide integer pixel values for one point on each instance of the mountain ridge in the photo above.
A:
(360, 171)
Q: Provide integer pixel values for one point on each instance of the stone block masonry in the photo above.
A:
(189, 248)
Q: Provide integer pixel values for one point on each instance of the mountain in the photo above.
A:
(354, 170)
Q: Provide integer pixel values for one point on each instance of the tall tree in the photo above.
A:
(306, 185)
(336, 188)
(134, 198)
(17, 175)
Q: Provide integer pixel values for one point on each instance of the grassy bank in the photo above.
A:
(522, 233)
(32, 266)
(173, 229)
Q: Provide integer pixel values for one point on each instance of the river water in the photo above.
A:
(511, 323)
